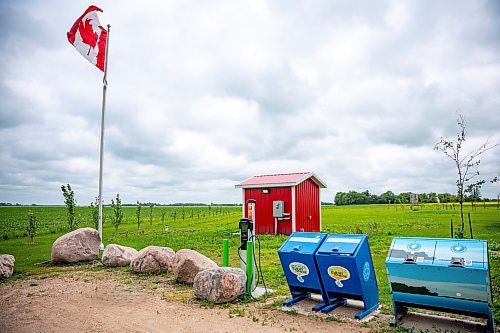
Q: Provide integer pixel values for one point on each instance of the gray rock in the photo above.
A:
(117, 255)
(153, 259)
(6, 265)
(220, 285)
(188, 263)
(79, 245)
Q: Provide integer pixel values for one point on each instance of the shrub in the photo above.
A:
(151, 214)
(70, 202)
(94, 212)
(117, 210)
(31, 227)
(138, 214)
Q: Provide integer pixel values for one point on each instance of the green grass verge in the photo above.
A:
(206, 232)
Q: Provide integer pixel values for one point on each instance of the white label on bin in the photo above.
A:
(343, 240)
(304, 240)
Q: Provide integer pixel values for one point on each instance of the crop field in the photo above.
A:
(203, 229)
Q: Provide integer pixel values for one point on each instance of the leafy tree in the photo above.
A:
(466, 165)
(31, 227)
(474, 196)
(117, 210)
(138, 214)
(361, 198)
(403, 197)
(387, 197)
(70, 202)
(424, 197)
(447, 197)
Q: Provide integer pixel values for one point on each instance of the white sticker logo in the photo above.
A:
(366, 271)
(299, 269)
(339, 273)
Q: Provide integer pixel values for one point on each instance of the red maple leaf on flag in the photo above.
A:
(89, 37)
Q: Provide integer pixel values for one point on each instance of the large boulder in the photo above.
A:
(220, 285)
(117, 255)
(188, 263)
(153, 259)
(79, 245)
(6, 265)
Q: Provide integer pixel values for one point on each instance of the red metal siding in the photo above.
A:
(285, 227)
(264, 223)
(307, 212)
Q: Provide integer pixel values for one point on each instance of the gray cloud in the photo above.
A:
(22, 33)
(203, 95)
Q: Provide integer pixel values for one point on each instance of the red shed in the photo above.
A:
(295, 195)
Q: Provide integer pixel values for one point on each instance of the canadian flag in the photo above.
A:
(89, 37)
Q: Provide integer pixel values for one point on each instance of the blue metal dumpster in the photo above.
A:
(346, 269)
(297, 259)
(442, 274)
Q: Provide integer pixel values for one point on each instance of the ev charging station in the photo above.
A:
(247, 250)
(246, 226)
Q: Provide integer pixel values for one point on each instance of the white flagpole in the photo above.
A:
(104, 89)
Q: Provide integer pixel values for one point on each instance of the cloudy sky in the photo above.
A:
(204, 94)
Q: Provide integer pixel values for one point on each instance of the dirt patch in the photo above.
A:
(422, 322)
(105, 301)
(90, 299)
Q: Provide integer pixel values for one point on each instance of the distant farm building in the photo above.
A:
(284, 202)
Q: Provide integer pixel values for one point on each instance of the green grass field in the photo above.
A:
(203, 230)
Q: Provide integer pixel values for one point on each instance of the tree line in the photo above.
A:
(364, 198)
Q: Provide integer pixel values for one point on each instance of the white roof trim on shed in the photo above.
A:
(315, 179)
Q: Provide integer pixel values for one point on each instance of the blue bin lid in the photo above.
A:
(422, 248)
(473, 252)
(439, 251)
(341, 244)
(302, 242)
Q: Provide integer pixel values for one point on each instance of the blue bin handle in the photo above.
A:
(336, 249)
(297, 248)
(410, 259)
(457, 262)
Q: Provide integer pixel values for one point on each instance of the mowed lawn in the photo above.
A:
(203, 229)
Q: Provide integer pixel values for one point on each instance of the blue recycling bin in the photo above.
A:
(347, 272)
(297, 259)
(441, 274)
